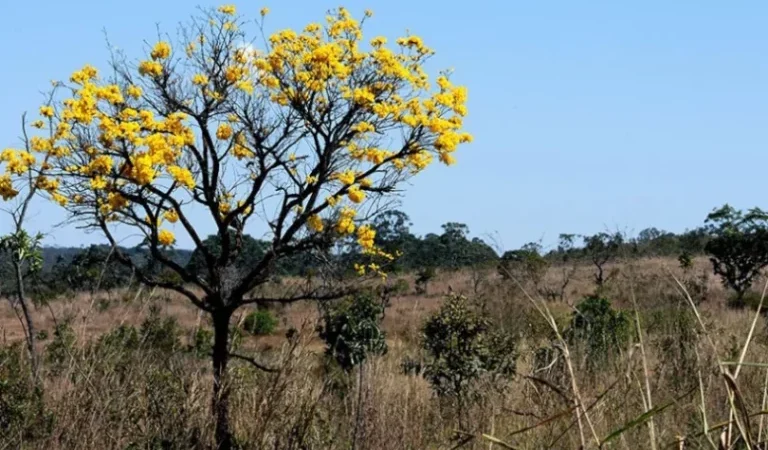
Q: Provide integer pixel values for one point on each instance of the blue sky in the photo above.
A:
(586, 115)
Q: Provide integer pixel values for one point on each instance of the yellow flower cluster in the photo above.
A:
(171, 216)
(355, 194)
(315, 223)
(165, 237)
(150, 68)
(16, 162)
(161, 50)
(224, 131)
(229, 10)
(182, 176)
(365, 236)
(7, 190)
(346, 223)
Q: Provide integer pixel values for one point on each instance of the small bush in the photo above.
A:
(462, 348)
(351, 330)
(159, 333)
(22, 413)
(202, 345)
(602, 330)
(59, 351)
(260, 322)
(123, 337)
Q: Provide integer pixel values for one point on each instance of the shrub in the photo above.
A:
(22, 413)
(159, 333)
(461, 348)
(260, 322)
(602, 330)
(203, 342)
(423, 277)
(61, 347)
(351, 330)
(123, 337)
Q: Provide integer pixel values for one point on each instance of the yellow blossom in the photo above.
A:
(365, 236)
(315, 223)
(229, 10)
(6, 187)
(46, 111)
(200, 79)
(152, 68)
(346, 177)
(182, 176)
(171, 216)
(165, 237)
(161, 50)
(264, 11)
(60, 199)
(346, 223)
(363, 127)
(355, 194)
(224, 131)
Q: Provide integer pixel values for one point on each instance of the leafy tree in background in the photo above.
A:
(307, 138)
(525, 264)
(92, 268)
(601, 249)
(738, 247)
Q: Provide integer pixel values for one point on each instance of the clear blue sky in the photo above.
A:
(586, 115)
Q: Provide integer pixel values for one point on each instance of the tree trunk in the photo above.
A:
(220, 407)
(30, 326)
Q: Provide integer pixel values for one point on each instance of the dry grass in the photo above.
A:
(120, 398)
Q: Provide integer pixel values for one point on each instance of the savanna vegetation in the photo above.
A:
(338, 327)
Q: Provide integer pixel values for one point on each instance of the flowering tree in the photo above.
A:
(305, 136)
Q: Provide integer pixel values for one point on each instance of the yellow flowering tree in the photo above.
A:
(305, 134)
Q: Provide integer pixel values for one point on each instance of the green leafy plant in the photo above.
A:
(423, 277)
(260, 322)
(738, 248)
(351, 330)
(602, 330)
(159, 333)
(461, 348)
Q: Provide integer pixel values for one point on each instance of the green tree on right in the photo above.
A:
(738, 248)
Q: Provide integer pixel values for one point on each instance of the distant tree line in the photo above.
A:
(453, 248)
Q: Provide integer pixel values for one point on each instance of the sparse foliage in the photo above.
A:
(602, 249)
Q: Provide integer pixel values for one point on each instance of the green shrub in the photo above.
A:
(260, 322)
(351, 330)
(602, 330)
(159, 333)
(59, 351)
(202, 344)
(22, 412)
(461, 347)
(123, 337)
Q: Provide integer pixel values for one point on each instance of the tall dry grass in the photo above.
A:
(692, 376)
